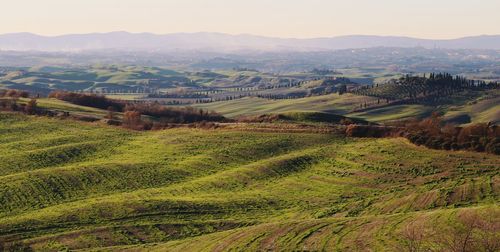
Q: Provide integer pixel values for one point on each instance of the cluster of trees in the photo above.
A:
(324, 71)
(283, 84)
(417, 89)
(88, 100)
(283, 96)
(13, 93)
(30, 108)
(133, 90)
(245, 69)
(176, 95)
(12, 103)
(433, 133)
(204, 100)
(482, 137)
(342, 89)
(330, 85)
(355, 130)
(227, 98)
(134, 111)
(139, 116)
(154, 109)
(133, 117)
(174, 114)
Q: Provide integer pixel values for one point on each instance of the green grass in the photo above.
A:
(55, 104)
(72, 185)
(484, 109)
(333, 103)
(395, 112)
(126, 96)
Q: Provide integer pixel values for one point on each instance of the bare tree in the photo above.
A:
(487, 235)
(413, 237)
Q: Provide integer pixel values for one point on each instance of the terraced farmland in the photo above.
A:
(68, 185)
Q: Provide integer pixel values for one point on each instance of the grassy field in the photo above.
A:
(333, 103)
(484, 109)
(395, 112)
(67, 185)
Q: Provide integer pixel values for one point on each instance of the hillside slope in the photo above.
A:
(71, 185)
(332, 103)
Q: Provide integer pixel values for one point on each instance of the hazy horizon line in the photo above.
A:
(242, 34)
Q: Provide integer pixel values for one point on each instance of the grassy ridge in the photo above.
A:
(191, 189)
(484, 109)
(396, 112)
(333, 103)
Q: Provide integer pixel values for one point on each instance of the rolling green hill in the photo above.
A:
(67, 185)
(481, 107)
(246, 92)
(97, 78)
(395, 112)
(486, 108)
(332, 103)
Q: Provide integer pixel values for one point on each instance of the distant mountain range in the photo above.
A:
(219, 42)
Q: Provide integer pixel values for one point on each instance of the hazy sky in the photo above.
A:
(279, 18)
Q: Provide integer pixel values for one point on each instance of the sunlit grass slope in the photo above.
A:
(71, 185)
(484, 109)
(333, 103)
(395, 112)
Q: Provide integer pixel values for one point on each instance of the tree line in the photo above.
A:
(433, 133)
(430, 132)
(139, 116)
(418, 89)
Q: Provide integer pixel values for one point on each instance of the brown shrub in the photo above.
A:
(31, 107)
(132, 120)
(476, 137)
(474, 131)
(14, 93)
(174, 115)
(354, 130)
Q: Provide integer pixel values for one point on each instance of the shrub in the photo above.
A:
(31, 108)
(174, 115)
(354, 130)
(111, 113)
(476, 137)
(14, 93)
(132, 120)
(89, 100)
